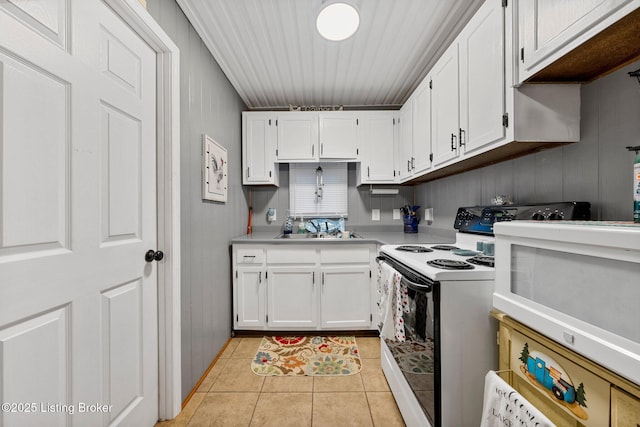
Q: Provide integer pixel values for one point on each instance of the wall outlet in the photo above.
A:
(396, 214)
(375, 214)
(428, 214)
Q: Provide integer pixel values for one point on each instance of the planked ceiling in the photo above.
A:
(272, 54)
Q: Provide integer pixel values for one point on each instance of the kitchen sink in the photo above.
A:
(317, 236)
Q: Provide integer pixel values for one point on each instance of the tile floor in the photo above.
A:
(232, 395)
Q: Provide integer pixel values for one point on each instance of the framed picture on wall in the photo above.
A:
(214, 170)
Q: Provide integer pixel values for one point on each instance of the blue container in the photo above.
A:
(410, 223)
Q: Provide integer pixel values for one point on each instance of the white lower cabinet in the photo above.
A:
(291, 298)
(345, 297)
(251, 291)
(295, 287)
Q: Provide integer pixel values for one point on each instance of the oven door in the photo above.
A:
(578, 286)
(409, 335)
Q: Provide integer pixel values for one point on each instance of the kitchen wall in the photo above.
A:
(598, 169)
(210, 105)
(361, 202)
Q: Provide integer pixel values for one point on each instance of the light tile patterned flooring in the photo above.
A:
(232, 395)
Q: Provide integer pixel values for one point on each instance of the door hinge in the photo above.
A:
(498, 337)
(522, 54)
(430, 84)
(504, 3)
(505, 120)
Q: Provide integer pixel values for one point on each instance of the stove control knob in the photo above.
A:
(538, 216)
(555, 216)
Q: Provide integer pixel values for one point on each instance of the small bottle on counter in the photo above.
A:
(288, 225)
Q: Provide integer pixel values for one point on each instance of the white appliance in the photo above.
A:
(437, 373)
(577, 282)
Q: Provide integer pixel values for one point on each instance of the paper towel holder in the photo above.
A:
(383, 191)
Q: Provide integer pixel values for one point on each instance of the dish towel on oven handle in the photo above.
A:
(388, 283)
(504, 406)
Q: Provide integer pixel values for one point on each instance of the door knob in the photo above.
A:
(151, 255)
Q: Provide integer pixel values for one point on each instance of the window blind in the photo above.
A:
(306, 181)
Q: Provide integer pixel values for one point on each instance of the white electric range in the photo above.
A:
(438, 340)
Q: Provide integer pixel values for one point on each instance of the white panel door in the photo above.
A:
(249, 294)
(444, 102)
(421, 127)
(78, 302)
(376, 135)
(338, 132)
(482, 80)
(297, 136)
(345, 297)
(291, 298)
(406, 141)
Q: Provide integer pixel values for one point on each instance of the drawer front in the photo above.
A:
(291, 255)
(625, 409)
(344, 254)
(250, 256)
(560, 388)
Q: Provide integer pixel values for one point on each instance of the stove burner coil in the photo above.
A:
(444, 247)
(450, 264)
(413, 248)
(487, 261)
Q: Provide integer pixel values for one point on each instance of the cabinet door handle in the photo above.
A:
(408, 165)
(413, 163)
(462, 133)
(313, 148)
(322, 148)
(368, 173)
(453, 142)
(248, 172)
(260, 277)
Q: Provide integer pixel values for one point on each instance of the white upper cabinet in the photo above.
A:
(259, 149)
(338, 135)
(421, 127)
(297, 136)
(376, 137)
(405, 137)
(445, 113)
(482, 79)
(549, 29)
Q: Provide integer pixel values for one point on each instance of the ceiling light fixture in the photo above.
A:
(337, 21)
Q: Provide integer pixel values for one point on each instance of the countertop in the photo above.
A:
(378, 237)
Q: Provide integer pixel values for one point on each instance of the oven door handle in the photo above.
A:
(416, 286)
(419, 287)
